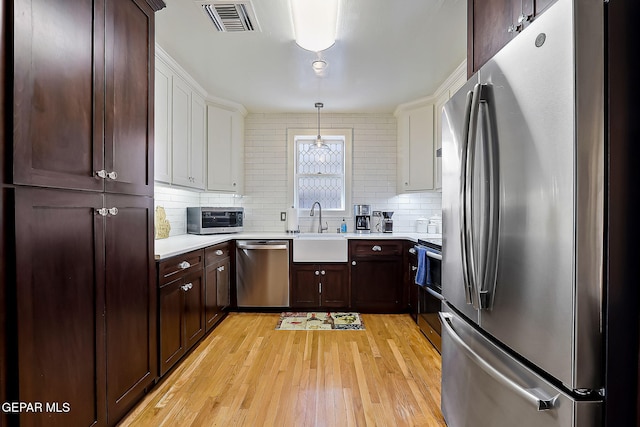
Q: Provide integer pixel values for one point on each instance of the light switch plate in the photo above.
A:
(283, 216)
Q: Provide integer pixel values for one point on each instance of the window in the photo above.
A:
(322, 175)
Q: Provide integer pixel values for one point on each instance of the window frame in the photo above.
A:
(293, 135)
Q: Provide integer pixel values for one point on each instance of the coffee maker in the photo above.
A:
(362, 218)
(387, 222)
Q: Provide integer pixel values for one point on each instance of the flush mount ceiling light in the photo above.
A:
(319, 144)
(314, 23)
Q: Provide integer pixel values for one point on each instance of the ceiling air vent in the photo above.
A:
(232, 16)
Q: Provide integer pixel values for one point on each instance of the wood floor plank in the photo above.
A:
(246, 373)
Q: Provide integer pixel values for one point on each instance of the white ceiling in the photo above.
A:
(388, 52)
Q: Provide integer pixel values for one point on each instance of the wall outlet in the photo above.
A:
(283, 216)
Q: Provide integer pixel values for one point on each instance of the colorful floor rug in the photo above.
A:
(308, 321)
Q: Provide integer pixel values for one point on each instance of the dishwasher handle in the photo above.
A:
(261, 245)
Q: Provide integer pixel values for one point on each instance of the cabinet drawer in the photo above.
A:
(375, 247)
(217, 253)
(176, 266)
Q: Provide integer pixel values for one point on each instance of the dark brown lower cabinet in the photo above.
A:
(377, 280)
(181, 312)
(85, 305)
(320, 286)
(217, 283)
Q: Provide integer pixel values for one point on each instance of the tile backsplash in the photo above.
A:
(374, 175)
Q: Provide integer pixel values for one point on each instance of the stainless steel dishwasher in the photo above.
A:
(262, 273)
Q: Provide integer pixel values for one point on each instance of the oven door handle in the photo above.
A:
(433, 293)
(434, 255)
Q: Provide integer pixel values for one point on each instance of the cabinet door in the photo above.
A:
(488, 29)
(198, 140)
(59, 305)
(334, 289)
(225, 149)
(130, 295)
(377, 285)
(130, 56)
(171, 320)
(162, 127)
(180, 131)
(223, 273)
(415, 151)
(306, 288)
(58, 99)
(211, 313)
(194, 326)
(237, 152)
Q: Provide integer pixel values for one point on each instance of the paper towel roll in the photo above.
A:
(292, 219)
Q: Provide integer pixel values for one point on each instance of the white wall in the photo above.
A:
(374, 175)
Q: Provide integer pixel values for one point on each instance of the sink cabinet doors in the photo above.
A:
(318, 286)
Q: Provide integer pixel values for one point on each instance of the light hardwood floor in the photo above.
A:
(245, 373)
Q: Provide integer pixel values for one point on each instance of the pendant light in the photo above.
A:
(319, 144)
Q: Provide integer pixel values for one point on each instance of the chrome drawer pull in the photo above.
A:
(184, 265)
(219, 252)
(376, 248)
(186, 287)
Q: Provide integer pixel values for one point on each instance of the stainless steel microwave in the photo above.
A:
(214, 220)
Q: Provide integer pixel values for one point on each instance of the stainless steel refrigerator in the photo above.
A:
(522, 197)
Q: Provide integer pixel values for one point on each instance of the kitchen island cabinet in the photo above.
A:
(181, 320)
(320, 286)
(377, 280)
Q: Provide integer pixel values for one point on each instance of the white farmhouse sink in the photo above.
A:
(320, 247)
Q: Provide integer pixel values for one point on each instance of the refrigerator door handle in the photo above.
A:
(533, 396)
(489, 233)
(466, 272)
(468, 167)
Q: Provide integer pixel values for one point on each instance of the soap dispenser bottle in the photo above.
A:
(343, 226)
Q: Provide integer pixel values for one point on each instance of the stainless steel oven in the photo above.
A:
(428, 281)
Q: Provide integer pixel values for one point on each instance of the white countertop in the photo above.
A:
(176, 245)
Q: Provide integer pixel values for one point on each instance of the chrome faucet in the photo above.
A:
(320, 227)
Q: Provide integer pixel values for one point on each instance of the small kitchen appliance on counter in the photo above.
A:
(376, 222)
(387, 222)
(214, 220)
(362, 218)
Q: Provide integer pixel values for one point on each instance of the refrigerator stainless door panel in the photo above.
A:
(486, 387)
(533, 90)
(454, 129)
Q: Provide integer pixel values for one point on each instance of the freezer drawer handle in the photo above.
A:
(531, 395)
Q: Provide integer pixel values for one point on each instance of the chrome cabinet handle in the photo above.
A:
(353, 263)
(184, 265)
(113, 211)
(317, 273)
(104, 174)
(219, 252)
(376, 248)
(186, 287)
(320, 287)
(412, 250)
(322, 272)
(221, 268)
(102, 211)
(414, 268)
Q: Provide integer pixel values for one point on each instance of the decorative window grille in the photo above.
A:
(320, 173)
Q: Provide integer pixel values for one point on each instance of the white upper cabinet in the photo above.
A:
(415, 161)
(450, 86)
(185, 126)
(225, 143)
(162, 123)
